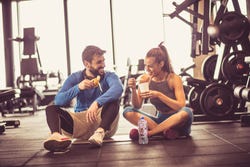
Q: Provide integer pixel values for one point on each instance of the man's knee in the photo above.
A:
(113, 105)
(52, 107)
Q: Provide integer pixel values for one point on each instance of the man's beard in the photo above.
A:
(95, 72)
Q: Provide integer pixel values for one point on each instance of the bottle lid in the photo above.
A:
(142, 117)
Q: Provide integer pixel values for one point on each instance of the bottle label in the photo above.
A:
(143, 132)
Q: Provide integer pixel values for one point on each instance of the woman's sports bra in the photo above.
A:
(164, 88)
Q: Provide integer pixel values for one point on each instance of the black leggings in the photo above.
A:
(58, 119)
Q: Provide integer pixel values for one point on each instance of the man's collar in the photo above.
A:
(85, 76)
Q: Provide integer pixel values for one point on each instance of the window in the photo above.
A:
(89, 24)
(47, 18)
(2, 57)
(138, 26)
(178, 37)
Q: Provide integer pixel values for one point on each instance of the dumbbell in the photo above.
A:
(14, 123)
(245, 94)
(238, 91)
(2, 127)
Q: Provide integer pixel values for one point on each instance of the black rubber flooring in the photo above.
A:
(220, 144)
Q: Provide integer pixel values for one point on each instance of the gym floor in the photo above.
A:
(222, 144)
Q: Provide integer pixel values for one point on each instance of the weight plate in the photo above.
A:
(194, 99)
(233, 27)
(217, 100)
(208, 67)
(234, 67)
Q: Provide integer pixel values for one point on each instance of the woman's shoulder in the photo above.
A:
(174, 78)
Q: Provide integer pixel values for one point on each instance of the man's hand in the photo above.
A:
(88, 84)
(85, 84)
(91, 115)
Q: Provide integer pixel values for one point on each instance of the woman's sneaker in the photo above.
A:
(134, 134)
(57, 142)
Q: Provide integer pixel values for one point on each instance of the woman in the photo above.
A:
(166, 93)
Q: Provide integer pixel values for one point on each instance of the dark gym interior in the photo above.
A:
(216, 83)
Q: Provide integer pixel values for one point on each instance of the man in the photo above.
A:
(95, 115)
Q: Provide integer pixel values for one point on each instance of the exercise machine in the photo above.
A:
(224, 92)
(139, 69)
(6, 96)
(33, 88)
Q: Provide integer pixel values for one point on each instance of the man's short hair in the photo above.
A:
(89, 52)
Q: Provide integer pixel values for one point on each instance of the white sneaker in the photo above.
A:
(57, 142)
(97, 137)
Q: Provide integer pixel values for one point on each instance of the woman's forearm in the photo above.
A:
(135, 99)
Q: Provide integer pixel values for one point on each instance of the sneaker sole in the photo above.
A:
(56, 146)
(93, 142)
